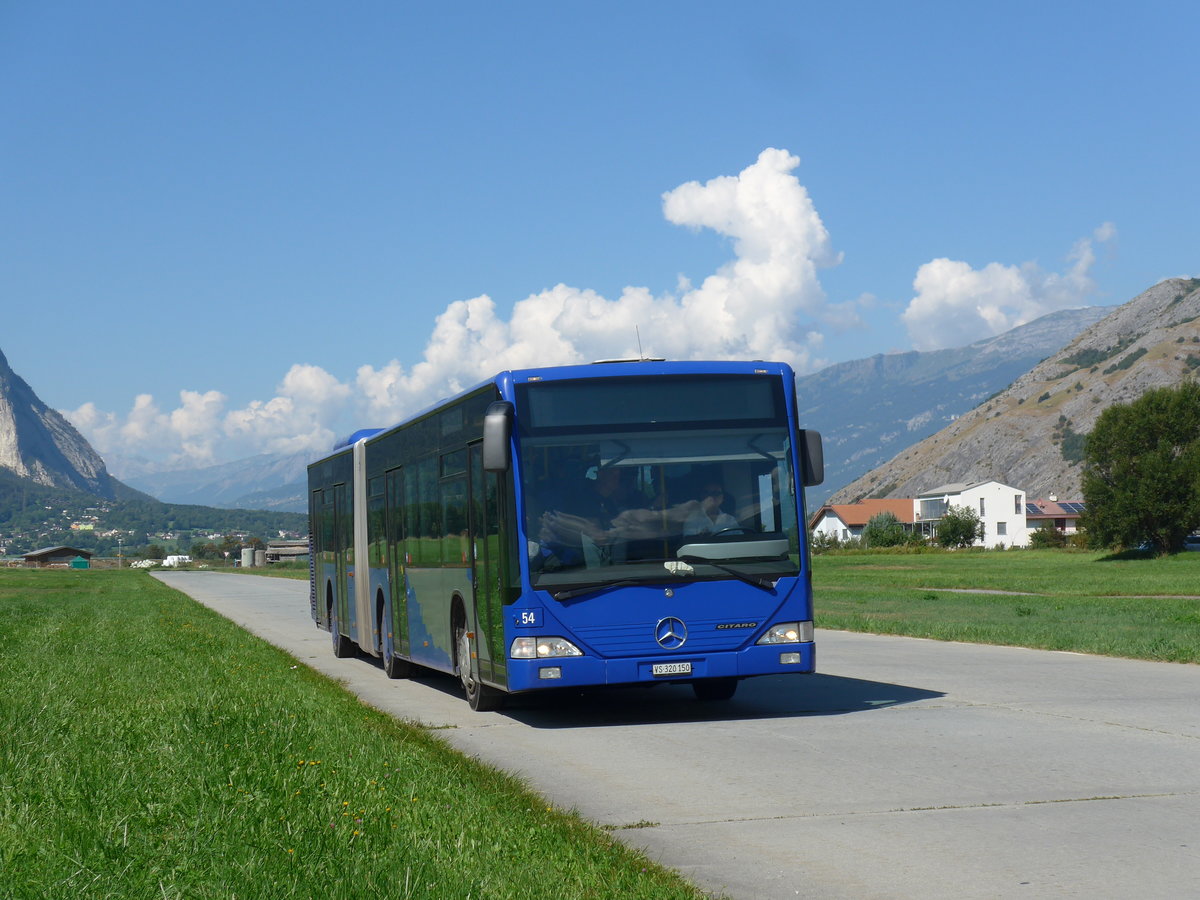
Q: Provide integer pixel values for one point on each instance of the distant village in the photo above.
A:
(66, 535)
(1008, 518)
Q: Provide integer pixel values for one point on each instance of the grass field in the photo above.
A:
(151, 749)
(1058, 600)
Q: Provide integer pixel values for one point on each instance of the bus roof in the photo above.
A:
(606, 368)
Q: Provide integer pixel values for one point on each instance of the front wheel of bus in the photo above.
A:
(715, 688)
(481, 697)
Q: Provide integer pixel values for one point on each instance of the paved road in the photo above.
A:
(907, 768)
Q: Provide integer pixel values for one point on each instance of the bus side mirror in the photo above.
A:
(497, 432)
(812, 458)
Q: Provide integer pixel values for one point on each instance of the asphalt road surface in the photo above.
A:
(905, 768)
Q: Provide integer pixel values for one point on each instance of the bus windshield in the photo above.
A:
(700, 494)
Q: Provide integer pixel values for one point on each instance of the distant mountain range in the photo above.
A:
(1013, 408)
(268, 481)
(869, 410)
(1030, 435)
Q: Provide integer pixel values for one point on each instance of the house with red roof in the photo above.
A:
(845, 521)
(1063, 515)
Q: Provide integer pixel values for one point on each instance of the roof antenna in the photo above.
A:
(636, 331)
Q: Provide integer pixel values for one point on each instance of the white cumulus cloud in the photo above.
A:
(297, 418)
(956, 304)
(766, 303)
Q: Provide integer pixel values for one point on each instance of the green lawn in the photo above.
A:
(152, 749)
(273, 570)
(1146, 608)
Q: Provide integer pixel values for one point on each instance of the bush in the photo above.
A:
(1047, 537)
(959, 527)
(883, 530)
(824, 543)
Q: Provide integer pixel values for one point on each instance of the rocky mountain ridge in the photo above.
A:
(39, 444)
(1030, 435)
(868, 410)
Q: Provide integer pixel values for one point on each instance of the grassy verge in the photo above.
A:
(153, 749)
(1055, 600)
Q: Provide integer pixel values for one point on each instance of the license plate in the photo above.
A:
(675, 668)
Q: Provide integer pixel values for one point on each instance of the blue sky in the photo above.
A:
(232, 228)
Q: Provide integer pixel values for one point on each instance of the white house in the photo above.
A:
(1001, 509)
(845, 521)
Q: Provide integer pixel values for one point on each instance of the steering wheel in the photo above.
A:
(732, 529)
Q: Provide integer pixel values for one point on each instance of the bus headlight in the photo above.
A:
(542, 648)
(788, 633)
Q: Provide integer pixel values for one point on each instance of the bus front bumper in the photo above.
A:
(582, 671)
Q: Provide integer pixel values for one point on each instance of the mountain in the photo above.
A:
(38, 444)
(869, 410)
(267, 481)
(1031, 434)
(55, 489)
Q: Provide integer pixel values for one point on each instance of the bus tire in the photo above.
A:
(481, 697)
(393, 665)
(343, 647)
(715, 688)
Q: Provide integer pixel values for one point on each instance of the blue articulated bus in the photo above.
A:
(616, 523)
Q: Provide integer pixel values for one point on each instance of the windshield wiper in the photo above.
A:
(683, 570)
(767, 584)
(595, 588)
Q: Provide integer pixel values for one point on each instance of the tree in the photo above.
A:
(1141, 476)
(959, 527)
(883, 530)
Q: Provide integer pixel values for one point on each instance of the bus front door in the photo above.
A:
(487, 568)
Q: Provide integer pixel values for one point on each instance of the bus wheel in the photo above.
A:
(343, 647)
(715, 688)
(481, 697)
(394, 666)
